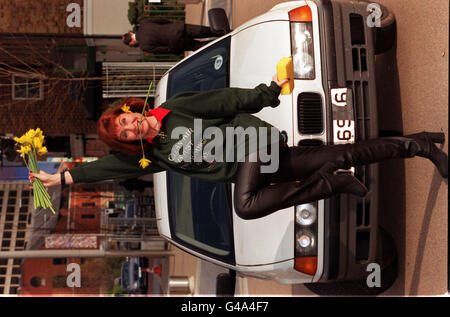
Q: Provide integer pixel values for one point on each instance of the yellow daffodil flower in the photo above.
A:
(143, 162)
(37, 142)
(31, 144)
(42, 150)
(24, 150)
(125, 108)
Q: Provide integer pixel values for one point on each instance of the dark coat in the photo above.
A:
(221, 108)
(157, 35)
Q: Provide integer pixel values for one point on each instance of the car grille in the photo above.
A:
(310, 113)
(359, 85)
(310, 142)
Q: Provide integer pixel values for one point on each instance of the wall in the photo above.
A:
(43, 16)
(107, 17)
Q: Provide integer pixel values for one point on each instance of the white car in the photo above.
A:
(333, 45)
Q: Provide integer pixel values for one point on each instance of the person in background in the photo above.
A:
(161, 36)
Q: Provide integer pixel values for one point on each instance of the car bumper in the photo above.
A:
(351, 223)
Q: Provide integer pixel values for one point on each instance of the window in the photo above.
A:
(8, 226)
(3, 271)
(13, 290)
(9, 218)
(22, 225)
(6, 243)
(3, 261)
(199, 215)
(88, 216)
(20, 243)
(14, 280)
(59, 281)
(16, 270)
(25, 193)
(23, 217)
(2, 280)
(6, 234)
(10, 209)
(12, 193)
(206, 70)
(25, 201)
(23, 210)
(21, 234)
(59, 261)
(88, 204)
(26, 88)
(11, 201)
(17, 261)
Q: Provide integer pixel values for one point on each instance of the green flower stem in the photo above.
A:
(41, 197)
(142, 118)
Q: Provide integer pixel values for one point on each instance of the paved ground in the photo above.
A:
(413, 97)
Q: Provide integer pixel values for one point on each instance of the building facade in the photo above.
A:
(16, 205)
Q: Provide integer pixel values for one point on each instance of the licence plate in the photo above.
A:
(343, 123)
(343, 131)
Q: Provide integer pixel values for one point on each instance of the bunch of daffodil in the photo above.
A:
(143, 162)
(31, 146)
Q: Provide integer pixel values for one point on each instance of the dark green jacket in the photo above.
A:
(221, 108)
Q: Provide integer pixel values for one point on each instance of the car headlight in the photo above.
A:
(306, 238)
(305, 214)
(302, 49)
(305, 242)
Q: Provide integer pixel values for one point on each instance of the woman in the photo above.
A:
(304, 174)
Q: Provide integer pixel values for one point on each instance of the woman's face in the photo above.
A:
(127, 127)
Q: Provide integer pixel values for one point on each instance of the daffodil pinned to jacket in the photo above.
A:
(31, 146)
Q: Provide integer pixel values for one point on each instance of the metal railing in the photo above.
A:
(132, 79)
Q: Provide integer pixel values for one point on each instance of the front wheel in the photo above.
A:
(386, 33)
(389, 271)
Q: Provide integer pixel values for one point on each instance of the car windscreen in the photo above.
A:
(200, 211)
(125, 275)
(205, 70)
(200, 216)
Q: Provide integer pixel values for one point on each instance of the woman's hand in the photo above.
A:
(280, 82)
(47, 179)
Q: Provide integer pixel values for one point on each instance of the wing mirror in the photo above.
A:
(218, 21)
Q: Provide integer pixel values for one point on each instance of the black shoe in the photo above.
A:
(346, 184)
(429, 150)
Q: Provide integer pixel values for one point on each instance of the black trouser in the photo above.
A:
(193, 32)
(300, 176)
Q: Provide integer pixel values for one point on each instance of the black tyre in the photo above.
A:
(389, 271)
(225, 284)
(386, 34)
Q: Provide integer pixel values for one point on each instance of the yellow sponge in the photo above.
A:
(285, 69)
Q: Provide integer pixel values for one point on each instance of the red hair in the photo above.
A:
(107, 129)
